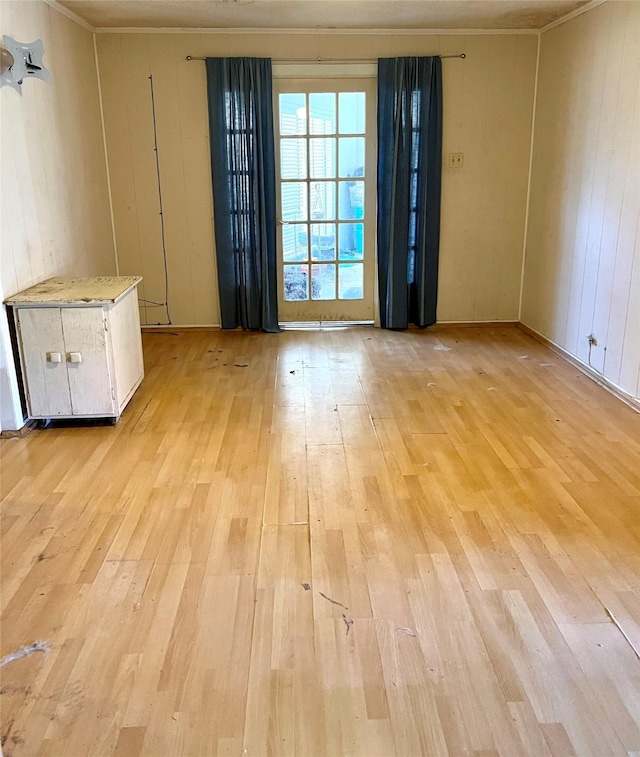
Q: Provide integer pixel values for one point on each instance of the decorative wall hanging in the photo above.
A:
(20, 60)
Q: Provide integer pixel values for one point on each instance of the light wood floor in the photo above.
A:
(349, 542)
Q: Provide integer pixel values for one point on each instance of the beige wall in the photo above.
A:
(582, 271)
(488, 109)
(55, 203)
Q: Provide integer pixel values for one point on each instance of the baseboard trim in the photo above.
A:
(473, 324)
(20, 432)
(588, 371)
(174, 329)
(322, 325)
(151, 328)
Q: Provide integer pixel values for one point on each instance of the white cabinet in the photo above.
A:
(80, 346)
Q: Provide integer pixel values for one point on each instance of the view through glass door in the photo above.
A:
(326, 203)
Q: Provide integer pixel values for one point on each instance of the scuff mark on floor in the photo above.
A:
(37, 646)
(348, 622)
(333, 601)
(621, 629)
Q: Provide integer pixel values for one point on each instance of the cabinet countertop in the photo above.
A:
(96, 290)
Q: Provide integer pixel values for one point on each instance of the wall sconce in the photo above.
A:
(19, 60)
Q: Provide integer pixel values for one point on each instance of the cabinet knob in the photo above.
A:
(74, 357)
(54, 357)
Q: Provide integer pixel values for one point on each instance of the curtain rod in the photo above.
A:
(326, 60)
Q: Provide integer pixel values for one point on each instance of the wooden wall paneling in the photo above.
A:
(492, 119)
(582, 242)
(623, 165)
(192, 84)
(622, 289)
(468, 205)
(562, 154)
(606, 191)
(184, 172)
(456, 271)
(466, 220)
(12, 230)
(19, 192)
(562, 157)
(480, 263)
(113, 78)
(452, 139)
(196, 246)
(46, 210)
(55, 204)
(630, 364)
(129, 131)
(165, 69)
(551, 159)
(518, 117)
(586, 124)
(64, 171)
(24, 114)
(94, 248)
(137, 99)
(192, 97)
(68, 167)
(624, 316)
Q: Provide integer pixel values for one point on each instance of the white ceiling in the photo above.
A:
(322, 14)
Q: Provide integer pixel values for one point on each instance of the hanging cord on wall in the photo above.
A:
(151, 303)
(593, 368)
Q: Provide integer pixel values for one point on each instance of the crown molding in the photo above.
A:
(70, 15)
(311, 31)
(317, 31)
(574, 14)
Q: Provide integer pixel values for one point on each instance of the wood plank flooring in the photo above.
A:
(353, 542)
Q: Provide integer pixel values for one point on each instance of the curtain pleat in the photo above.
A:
(409, 186)
(244, 190)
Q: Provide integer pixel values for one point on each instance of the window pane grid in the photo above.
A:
(321, 139)
(350, 278)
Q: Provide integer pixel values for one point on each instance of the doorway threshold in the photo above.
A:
(321, 325)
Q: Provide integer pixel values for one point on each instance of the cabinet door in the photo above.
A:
(85, 340)
(46, 381)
